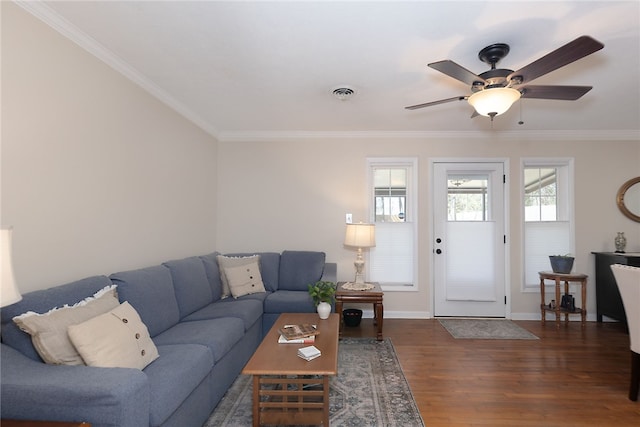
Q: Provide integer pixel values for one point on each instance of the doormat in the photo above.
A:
(486, 329)
(369, 390)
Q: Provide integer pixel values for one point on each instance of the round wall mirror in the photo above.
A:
(628, 199)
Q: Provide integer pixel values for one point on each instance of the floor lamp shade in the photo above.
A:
(9, 293)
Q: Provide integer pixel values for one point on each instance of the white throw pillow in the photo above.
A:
(117, 339)
(225, 262)
(49, 330)
(244, 279)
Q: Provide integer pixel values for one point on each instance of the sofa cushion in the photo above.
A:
(150, 292)
(114, 397)
(49, 330)
(225, 262)
(246, 308)
(117, 339)
(220, 335)
(190, 283)
(244, 279)
(210, 263)
(174, 376)
(299, 269)
(42, 301)
(289, 302)
(269, 268)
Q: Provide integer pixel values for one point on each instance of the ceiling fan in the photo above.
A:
(495, 90)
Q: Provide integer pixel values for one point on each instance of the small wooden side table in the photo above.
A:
(558, 278)
(371, 296)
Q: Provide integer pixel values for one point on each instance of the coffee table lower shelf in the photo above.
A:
(285, 400)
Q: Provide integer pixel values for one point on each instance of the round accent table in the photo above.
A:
(559, 278)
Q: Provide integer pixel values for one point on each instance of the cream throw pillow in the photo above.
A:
(117, 339)
(244, 279)
(225, 262)
(49, 330)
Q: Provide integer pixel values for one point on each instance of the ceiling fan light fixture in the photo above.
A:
(494, 101)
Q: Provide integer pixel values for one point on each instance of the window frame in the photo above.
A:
(565, 199)
(411, 212)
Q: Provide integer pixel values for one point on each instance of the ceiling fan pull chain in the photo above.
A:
(520, 122)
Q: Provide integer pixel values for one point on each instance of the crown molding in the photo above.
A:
(49, 16)
(631, 135)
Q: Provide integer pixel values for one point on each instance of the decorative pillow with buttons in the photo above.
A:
(117, 339)
(244, 279)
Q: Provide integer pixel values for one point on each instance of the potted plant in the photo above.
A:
(561, 263)
(323, 294)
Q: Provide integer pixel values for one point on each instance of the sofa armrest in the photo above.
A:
(330, 272)
(101, 396)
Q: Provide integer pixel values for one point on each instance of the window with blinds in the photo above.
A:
(392, 190)
(547, 213)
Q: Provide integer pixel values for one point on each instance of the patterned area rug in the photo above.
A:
(369, 390)
(487, 329)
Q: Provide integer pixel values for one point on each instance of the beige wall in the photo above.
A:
(97, 175)
(294, 195)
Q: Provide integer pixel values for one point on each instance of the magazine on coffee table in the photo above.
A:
(305, 340)
(292, 332)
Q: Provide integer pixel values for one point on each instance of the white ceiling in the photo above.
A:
(254, 69)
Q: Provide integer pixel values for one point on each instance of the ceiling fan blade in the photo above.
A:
(572, 51)
(442, 101)
(456, 71)
(567, 93)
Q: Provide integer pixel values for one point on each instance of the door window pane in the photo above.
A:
(467, 198)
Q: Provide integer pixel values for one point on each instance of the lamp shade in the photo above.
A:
(9, 293)
(360, 235)
(494, 101)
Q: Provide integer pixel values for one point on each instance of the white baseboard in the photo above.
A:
(368, 314)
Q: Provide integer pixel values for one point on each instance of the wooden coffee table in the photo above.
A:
(288, 390)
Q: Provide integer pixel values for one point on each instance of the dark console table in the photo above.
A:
(608, 300)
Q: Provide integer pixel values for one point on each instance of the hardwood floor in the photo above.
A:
(569, 377)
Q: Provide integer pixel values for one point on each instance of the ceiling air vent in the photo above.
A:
(343, 93)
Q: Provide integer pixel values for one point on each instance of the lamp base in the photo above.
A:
(359, 265)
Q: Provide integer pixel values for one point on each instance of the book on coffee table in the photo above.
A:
(303, 330)
(309, 353)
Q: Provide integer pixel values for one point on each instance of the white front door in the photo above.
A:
(469, 239)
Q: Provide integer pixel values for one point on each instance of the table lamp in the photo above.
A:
(9, 293)
(360, 236)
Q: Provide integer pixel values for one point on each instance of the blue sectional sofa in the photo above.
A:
(203, 342)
